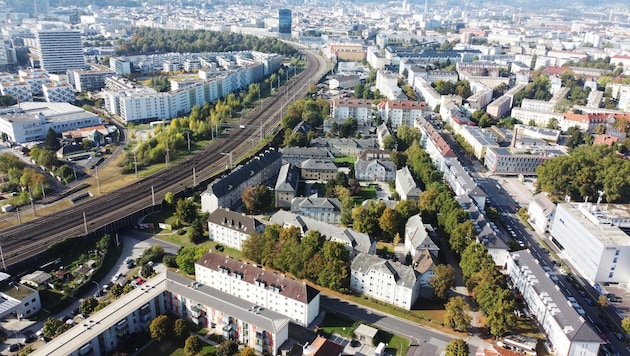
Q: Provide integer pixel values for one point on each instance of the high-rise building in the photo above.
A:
(59, 50)
(40, 6)
(284, 21)
(29, 6)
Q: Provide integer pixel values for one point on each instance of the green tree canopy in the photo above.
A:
(443, 280)
(457, 317)
(457, 347)
(192, 346)
(160, 327)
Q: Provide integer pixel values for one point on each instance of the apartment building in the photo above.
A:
(226, 191)
(292, 298)
(286, 185)
(479, 139)
(375, 170)
(234, 318)
(384, 280)
(59, 50)
(58, 92)
(401, 112)
(406, 185)
(345, 108)
(318, 169)
(230, 228)
(326, 210)
(566, 331)
(19, 91)
(89, 80)
(592, 236)
(518, 161)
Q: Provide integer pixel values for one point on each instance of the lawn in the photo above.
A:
(340, 325)
(169, 347)
(365, 194)
(345, 161)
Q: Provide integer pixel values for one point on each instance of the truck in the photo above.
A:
(7, 208)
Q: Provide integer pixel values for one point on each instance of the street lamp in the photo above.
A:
(98, 288)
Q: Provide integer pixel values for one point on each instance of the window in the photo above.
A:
(610, 275)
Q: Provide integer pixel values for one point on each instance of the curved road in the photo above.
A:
(29, 239)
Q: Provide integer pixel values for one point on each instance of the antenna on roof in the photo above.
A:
(601, 194)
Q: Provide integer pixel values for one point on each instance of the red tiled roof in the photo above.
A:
(605, 140)
(554, 70)
(325, 347)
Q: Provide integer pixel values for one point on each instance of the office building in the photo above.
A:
(284, 21)
(89, 80)
(59, 50)
(58, 92)
(594, 238)
(566, 331)
(31, 121)
(517, 161)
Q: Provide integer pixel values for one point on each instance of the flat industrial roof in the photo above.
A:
(607, 234)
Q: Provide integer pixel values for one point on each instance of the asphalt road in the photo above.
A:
(433, 341)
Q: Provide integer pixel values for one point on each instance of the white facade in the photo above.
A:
(401, 112)
(565, 330)
(289, 297)
(360, 109)
(230, 228)
(590, 236)
(59, 50)
(19, 91)
(540, 211)
(377, 170)
(384, 280)
(479, 139)
(31, 121)
(432, 142)
(58, 92)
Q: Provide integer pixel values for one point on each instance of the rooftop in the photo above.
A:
(603, 221)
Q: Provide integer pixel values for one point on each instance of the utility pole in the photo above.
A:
(43, 190)
(4, 265)
(188, 135)
(98, 181)
(85, 223)
(152, 195)
(135, 163)
(194, 178)
(30, 195)
(18, 215)
(166, 158)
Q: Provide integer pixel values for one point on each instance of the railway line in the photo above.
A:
(24, 241)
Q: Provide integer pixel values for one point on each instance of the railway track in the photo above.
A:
(23, 241)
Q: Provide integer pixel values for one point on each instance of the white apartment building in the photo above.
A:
(59, 50)
(19, 91)
(230, 228)
(58, 92)
(35, 81)
(427, 92)
(537, 117)
(375, 170)
(292, 298)
(541, 211)
(100, 334)
(432, 142)
(384, 280)
(537, 105)
(31, 120)
(401, 112)
(387, 84)
(17, 299)
(417, 237)
(591, 236)
(344, 108)
(406, 186)
(512, 161)
(566, 331)
(327, 210)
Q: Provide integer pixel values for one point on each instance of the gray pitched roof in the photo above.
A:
(306, 152)
(241, 174)
(358, 241)
(325, 164)
(288, 178)
(407, 183)
(363, 165)
(403, 275)
(417, 233)
(300, 203)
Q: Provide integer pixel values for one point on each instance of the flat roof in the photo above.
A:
(83, 332)
(607, 234)
(17, 291)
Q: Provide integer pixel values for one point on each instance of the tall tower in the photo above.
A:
(59, 50)
(426, 6)
(284, 21)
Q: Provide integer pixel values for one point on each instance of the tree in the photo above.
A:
(625, 324)
(257, 199)
(181, 329)
(51, 142)
(169, 198)
(227, 348)
(160, 327)
(116, 290)
(185, 210)
(443, 280)
(248, 351)
(192, 346)
(390, 223)
(500, 317)
(187, 257)
(197, 235)
(461, 236)
(389, 142)
(457, 316)
(53, 327)
(88, 305)
(603, 301)
(457, 347)
(147, 271)
(6, 100)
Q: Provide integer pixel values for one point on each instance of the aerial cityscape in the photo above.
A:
(314, 178)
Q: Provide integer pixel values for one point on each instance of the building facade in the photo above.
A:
(591, 236)
(292, 298)
(59, 50)
(381, 279)
(230, 228)
(58, 92)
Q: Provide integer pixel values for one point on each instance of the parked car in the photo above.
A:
(588, 301)
(15, 347)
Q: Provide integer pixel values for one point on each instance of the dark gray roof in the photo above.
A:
(241, 174)
(319, 164)
(235, 221)
(300, 203)
(362, 165)
(305, 152)
(288, 178)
